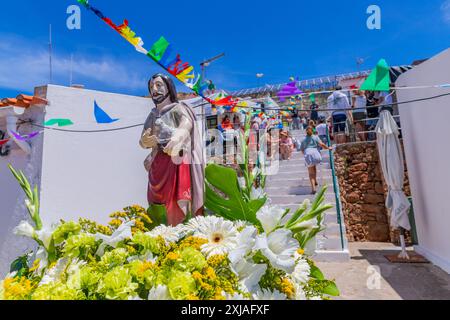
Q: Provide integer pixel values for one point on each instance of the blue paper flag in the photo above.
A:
(101, 116)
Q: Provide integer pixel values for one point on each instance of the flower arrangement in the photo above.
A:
(207, 258)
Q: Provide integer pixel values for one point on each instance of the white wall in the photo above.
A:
(88, 175)
(427, 146)
(92, 175)
(12, 207)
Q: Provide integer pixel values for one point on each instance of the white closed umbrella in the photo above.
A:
(392, 164)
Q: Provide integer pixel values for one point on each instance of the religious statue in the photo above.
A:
(176, 163)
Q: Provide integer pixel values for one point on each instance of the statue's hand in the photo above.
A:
(173, 148)
(148, 140)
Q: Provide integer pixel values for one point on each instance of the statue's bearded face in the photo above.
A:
(159, 90)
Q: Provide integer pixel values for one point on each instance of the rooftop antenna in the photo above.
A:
(50, 53)
(207, 62)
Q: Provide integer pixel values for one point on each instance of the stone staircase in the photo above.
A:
(290, 187)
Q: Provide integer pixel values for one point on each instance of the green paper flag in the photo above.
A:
(379, 79)
(59, 122)
(312, 96)
(158, 49)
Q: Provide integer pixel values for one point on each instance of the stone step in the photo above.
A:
(331, 256)
(301, 180)
(304, 169)
(328, 243)
(286, 200)
(295, 190)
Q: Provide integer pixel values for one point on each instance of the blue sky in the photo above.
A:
(278, 38)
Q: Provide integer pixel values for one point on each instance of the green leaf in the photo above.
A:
(316, 273)
(331, 289)
(20, 265)
(230, 204)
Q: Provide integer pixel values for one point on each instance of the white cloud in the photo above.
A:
(25, 65)
(445, 8)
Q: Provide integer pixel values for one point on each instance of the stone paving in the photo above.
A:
(357, 279)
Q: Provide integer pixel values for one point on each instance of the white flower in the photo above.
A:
(306, 225)
(221, 234)
(301, 272)
(241, 224)
(299, 292)
(122, 233)
(246, 242)
(235, 296)
(249, 274)
(270, 217)
(257, 193)
(159, 293)
(279, 247)
(169, 234)
(242, 182)
(316, 298)
(53, 274)
(268, 295)
(24, 229)
(46, 235)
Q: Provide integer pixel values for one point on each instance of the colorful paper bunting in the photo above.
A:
(101, 116)
(59, 122)
(288, 90)
(379, 79)
(24, 138)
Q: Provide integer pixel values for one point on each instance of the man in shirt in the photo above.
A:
(339, 105)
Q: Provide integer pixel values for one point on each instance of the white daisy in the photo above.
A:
(235, 296)
(279, 247)
(269, 295)
(301, 272)
(299, 292)
(221, 234)
(169, 234)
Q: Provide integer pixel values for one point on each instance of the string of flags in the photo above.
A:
(162, 52)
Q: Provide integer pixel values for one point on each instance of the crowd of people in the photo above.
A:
(345, 113)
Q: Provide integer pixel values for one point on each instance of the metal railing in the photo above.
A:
(336, 191)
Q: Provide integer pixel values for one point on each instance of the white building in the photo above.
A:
(425, 127)
(89, 175)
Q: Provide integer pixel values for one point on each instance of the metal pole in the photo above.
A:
(50, 54)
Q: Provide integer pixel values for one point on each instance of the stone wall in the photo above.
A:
(363, 193)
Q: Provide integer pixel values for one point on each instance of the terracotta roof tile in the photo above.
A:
(22, 101)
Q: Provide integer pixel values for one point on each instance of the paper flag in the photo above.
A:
(312, 96)
(59, 122)
(288, 90)
(24, 138)
(379, 79)
(2, 142)
(101, 116)
(158, 49)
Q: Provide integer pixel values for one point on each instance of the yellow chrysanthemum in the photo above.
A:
(287, 288)
(17, 289)
(193, 242)
(173, 256)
